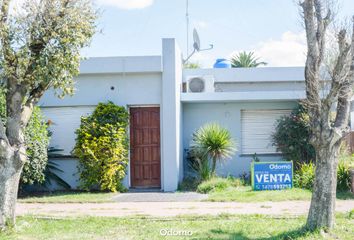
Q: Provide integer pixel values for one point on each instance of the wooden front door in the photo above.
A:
(145, 160)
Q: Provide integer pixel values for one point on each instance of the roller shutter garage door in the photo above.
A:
(65, 121)
(257, 127)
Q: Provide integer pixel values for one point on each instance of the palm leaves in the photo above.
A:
(52, 169)
(245, 60)
(212, 142)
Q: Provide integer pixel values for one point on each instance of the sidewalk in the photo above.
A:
(170, 209)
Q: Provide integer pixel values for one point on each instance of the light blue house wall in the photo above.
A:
(158, 81)
(228, 115)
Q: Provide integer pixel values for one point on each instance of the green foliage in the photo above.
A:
(343, 177)
(292, 136)
(2, 105)
(219, 184)
(245, 60)
(102, 147)
(304, 176)
(198, 161)
(44, 42)
(52, 169)
(211, 143)
(191, 65)
(37, 141)
(189, 184)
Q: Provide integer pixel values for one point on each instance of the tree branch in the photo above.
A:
(8, 53)
(36, 93)
(345, 95)
(339, 74)
(37, 46)
(312, 16)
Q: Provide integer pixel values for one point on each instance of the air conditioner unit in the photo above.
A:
(199, 84)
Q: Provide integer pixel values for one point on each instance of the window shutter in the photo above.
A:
(257, 127)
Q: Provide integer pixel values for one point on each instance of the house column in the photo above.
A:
(171, 115)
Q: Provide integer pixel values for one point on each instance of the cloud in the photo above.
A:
(200, 24)
(127, 4)
(289, 50)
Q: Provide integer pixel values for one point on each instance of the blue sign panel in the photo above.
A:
(272, 175)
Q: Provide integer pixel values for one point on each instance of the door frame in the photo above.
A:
(128, 132)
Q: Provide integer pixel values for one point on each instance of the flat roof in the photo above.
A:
(132, 64)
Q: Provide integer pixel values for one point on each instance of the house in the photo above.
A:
(164, 113)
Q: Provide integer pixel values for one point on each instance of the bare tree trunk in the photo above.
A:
(10, 172)
(322, 210)
(12, 154)
(213, 166)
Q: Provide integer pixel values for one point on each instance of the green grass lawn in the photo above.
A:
(202, 227)
(69, 197)
(245, 194)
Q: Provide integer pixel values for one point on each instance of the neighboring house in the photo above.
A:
(164, 113)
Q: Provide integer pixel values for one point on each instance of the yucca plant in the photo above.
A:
(198, 161)
(213, 142)
(245, 60)
(52, 169)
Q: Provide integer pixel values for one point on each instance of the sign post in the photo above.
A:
(271, 175)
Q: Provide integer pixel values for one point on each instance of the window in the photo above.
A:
(257, 127)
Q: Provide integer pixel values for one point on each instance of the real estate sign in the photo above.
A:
(271, 175)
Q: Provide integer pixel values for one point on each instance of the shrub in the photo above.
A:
(212, 143)
(245, 177)
(343, 176)
(292, 136)
(189, 184)
(218, 184)
(305, 176)
(102, 147)
(37, 141)
(198, 161)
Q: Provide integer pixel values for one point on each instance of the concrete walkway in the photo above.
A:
(170, 209)
(159, 197)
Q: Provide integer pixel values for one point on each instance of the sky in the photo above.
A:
(271, 28)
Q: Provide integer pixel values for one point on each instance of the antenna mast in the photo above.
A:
(187, 23)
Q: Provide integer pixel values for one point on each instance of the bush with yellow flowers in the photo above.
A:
(102, 148)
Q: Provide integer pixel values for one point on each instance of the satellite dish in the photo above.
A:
(196, 45)
(196, 40)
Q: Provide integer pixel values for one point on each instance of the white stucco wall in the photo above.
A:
(228, 115)
(130, 89)
(171, 115)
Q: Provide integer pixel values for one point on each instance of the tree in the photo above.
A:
(245, 60)
(292, 135)
(214, 142)
(37, 141)
(39, 49)
(326, 132)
